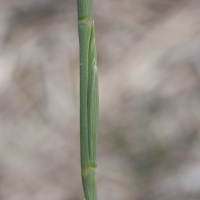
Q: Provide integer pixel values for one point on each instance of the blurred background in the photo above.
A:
(149, 81)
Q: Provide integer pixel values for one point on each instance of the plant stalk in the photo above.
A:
(89, 99)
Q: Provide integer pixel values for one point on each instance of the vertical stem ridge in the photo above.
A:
(84, 45)
(93, 110)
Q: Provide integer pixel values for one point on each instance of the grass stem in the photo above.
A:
(89, 99)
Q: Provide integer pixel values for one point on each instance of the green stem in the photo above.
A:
(88, 98)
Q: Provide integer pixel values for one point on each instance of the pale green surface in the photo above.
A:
(89, 108)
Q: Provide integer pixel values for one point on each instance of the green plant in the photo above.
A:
(89, 103)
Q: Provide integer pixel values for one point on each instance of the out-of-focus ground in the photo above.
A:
(149, 79)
